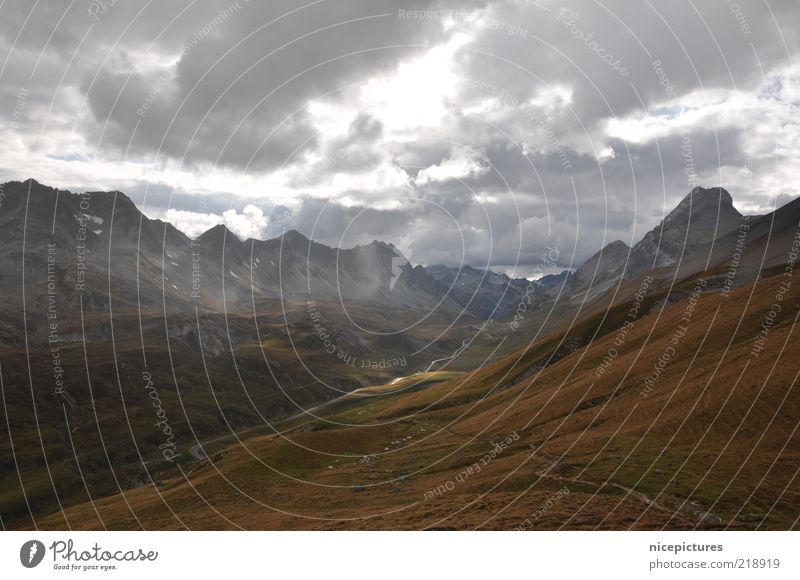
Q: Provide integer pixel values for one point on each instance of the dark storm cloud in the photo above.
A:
(243, 76)
(573, 43)
(244, 71)
(357, 152)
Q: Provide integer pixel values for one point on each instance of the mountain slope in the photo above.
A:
(710, 443)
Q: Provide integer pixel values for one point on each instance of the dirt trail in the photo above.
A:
(643, 497)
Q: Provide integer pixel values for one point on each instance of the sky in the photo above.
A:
(472, 131)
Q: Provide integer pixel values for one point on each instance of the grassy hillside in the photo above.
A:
(538, 439)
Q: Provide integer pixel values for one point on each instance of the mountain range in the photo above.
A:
(115, 244)
(218, 271)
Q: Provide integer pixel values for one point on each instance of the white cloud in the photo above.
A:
(249, 223)
(192, 223)
(417, 94)
(768, 118)
(462, 165)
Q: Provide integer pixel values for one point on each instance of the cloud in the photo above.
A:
(192, 223)
(249, 223)
(461, 165)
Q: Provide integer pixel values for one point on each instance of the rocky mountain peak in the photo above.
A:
(703, 203)
(293, 236)
(216, 234)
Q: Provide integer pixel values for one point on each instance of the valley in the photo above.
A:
(652, 388)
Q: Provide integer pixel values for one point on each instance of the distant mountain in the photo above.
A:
(292, 267)
(96, 248)
(703, 216)
(602, 269)
(80, 248)
(485, 293)
(488, 294)
(103, 252)
(554, 280)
